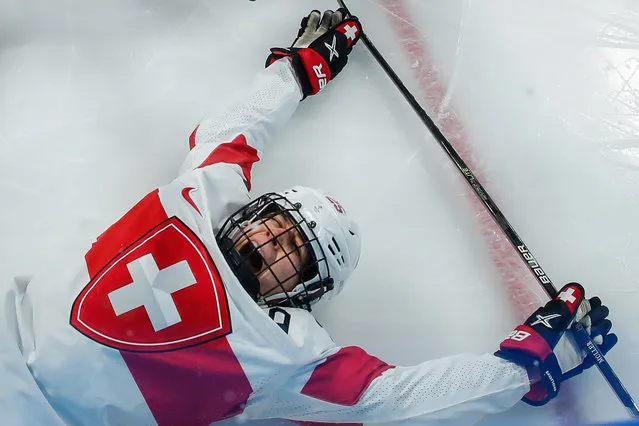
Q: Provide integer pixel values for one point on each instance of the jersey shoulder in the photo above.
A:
(303, 330)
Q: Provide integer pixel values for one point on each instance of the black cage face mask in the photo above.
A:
(273, 252)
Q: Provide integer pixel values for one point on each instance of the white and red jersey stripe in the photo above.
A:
(151, 326)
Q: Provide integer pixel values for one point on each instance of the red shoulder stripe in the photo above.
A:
(344, 377)
(239, 152)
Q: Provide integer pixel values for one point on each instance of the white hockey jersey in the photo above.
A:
(151, 327)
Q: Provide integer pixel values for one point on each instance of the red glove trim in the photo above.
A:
(527, 340)
(317, 69)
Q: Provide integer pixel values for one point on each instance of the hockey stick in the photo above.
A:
(580, 333)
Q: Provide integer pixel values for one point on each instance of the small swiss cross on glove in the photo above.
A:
(321, 48)
(545, 345)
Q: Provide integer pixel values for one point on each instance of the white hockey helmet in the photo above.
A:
(333, 237)
(338, 237)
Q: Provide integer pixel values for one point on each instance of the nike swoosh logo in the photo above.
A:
(186, 193)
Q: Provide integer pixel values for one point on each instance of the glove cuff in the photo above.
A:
(312, 70)
(550, 375)
(277, 53)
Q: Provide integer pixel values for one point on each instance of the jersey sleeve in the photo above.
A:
(351, 386)
(236, 137)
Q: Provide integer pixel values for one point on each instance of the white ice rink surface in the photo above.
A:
(97, 99)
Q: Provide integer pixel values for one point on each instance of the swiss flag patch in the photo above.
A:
(351, 29)
(162, 293)
(572, 294)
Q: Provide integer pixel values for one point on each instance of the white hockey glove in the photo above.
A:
(321, 48)
(544, 344)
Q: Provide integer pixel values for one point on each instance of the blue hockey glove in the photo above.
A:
(545, 345)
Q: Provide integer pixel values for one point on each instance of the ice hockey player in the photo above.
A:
(195, 306)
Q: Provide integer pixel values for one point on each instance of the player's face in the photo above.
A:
(281, 253)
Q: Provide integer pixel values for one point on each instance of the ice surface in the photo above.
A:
(98, 100)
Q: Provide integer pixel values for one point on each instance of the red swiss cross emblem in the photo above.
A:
(161, 293)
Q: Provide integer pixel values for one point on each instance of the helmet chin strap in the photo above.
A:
(243, 273)
(307, 297)
(303, 293)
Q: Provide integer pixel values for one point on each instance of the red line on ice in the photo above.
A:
(515, 277)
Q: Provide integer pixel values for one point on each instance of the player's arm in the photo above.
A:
(347, 385)
(238, 136)
(350, 386)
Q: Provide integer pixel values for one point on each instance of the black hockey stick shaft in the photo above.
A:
(580, 333)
